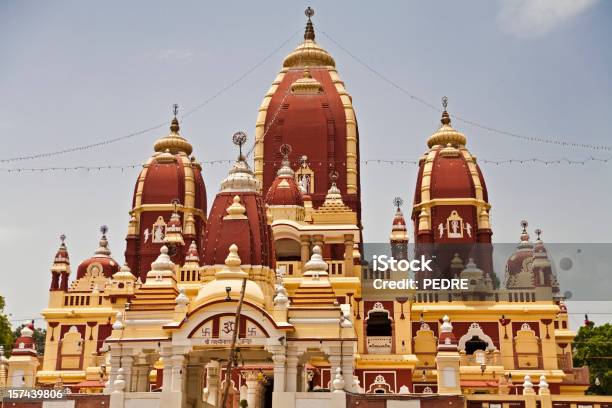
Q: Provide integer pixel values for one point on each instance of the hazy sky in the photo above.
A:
(74, 73)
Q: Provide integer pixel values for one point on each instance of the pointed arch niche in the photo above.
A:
(475, 339)
(379, 330)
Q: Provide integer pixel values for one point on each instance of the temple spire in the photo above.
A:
(174, 126)
(309, 34)
(445, 116)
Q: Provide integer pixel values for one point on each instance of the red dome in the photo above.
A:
(519, 260)
(450, 176)
(101, 262)
(314, 125)
(309, 108)
(451, 202)
(284, 190)
(169, 177)
(25, 344)
(241, 221)
(522, 257)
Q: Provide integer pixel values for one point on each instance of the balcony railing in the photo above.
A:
(294, 268)
(489, 358)
(379, 344)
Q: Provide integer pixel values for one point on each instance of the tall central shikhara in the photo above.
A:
(308, 108)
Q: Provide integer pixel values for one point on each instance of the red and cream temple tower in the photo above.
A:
(157, 330)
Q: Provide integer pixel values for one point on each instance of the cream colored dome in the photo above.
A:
(173, 143)
(446, 134)
(308, 53)
(230, 276)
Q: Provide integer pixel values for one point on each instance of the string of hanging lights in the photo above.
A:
(157, 126)
(520, 161)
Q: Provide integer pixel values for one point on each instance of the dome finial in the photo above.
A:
(445, 117)
(524, 233)
(103, 249)
(239, 138)
(309, 34)
(174, 126)
(397, 202)
(333, 176)
(285, 168)
(173, 143)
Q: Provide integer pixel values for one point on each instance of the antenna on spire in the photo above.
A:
(304, 161)
(538, 233)
(174, 126)
(285, 150)
(63, 238)
(397, 201)
(175, 202)
(103, 229)
(333, 176)
(309, 34)
(309, 12)
(445, 117)
(239, 139)
(524, 224)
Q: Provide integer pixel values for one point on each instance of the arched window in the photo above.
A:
(475, 343)
(379, 324)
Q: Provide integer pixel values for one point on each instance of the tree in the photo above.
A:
(39, 338)
(594, 349)
(6, 333)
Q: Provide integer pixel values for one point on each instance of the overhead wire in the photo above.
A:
(461, 118)
(514, 161)
(154, 127)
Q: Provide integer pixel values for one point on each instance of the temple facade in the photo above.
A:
(266, 299)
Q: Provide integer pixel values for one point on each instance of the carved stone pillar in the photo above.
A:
(348, 371)
(115, 362)
(334, 361)
(348, 254)
(178, 369)
(141, 370)
(300, 378)
(292, 360)
(166, 355)
(304, 248)
(279, 371)
(127, 363)
(212, 382)
(252, 383)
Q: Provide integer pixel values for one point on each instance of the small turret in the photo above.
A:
(60, 270)
(448, 360)
(399, 233)
(101, 263)
(24, 362)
